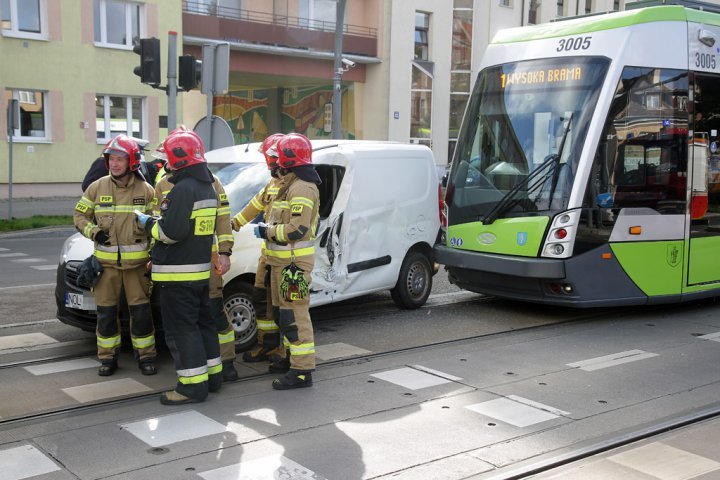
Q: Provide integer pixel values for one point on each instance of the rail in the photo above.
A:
(202, 8)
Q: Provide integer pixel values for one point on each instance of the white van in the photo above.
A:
(379, 217)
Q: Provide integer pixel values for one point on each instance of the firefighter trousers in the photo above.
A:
(192, 338)
(223, 325)
(268, 336)
(135, 283)
(293, 319)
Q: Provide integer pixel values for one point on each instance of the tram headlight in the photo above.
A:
(564, 218)
(556, 249)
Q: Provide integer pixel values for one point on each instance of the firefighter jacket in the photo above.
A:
(259, 203)
(108, 205)
(224, 239)
(292, 222)
(184, 232)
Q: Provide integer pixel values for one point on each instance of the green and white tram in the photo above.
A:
(587, 170)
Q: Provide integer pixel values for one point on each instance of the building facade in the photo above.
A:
(70, 66)
(415, 62)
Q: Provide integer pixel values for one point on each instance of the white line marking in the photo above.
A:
(3, 249)
(64, 366)
(107, 389)
(30, 324)
(715, 337)
(44, 267)
(25, 461)
(265, 468)
(611, 360)
(664, 462)
(173, 428)
(512, 412)
(410, 378)
(25, 340)
(28, 286)
(15, 254)
(28, 260)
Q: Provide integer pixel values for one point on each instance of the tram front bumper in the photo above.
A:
(528, 267)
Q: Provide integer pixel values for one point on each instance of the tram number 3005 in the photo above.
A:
(573, 43)
(705, 60)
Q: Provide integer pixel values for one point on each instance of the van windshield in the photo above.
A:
(521, 138)
(242, 181)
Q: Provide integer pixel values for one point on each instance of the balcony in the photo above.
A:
(235, 25)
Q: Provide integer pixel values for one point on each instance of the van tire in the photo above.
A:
(241, 311)
(414, 282)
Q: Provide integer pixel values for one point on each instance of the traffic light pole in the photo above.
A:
(171, 81)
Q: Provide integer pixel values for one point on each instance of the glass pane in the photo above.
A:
(135, 22)
(420, 114)
(6, 15)
(420, 79)
(100, 116)
(32, 116)
(422, 20)
(96, 20)
(29, 15)
(118, 115)
(461, 40)
(459, 82)
(463, 4)
(451, 149)
(324, 13)
(457, 108)
(115, 22)
(137, 127)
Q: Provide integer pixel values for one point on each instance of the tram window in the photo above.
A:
(642, 156)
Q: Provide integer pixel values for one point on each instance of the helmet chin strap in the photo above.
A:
(120, 177)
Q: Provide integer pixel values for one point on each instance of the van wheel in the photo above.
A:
(414, 282)
(241, 312)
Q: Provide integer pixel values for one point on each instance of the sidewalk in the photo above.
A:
(27, 207)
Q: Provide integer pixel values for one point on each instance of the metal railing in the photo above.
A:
(212, 9)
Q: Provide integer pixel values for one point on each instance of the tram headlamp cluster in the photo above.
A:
(561, 235)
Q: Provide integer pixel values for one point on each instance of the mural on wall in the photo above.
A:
(304, 109)
(245, 111)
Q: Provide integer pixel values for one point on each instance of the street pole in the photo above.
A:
(337, 72)
(12, 123)
(172, 81)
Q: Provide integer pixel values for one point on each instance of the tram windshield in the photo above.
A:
(521, 138)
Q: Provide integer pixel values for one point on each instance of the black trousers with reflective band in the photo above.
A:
(190, 333)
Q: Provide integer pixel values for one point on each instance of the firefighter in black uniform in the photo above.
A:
(181, 262)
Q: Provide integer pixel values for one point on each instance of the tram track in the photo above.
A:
(356, 359)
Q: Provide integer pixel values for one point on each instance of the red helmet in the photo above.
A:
(124, 146)
(183, 149)
(295, 150)
(183, 129)
(270, 153)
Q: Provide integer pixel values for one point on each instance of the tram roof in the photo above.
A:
(609, 21)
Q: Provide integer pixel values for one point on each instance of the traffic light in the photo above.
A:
(190, 72)
(149, 68)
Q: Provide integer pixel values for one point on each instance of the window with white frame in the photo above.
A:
(505, 3)
(117, 23)
(32, 114)
(422, 34)
(24, 18)
(115, 114)
(318, 14)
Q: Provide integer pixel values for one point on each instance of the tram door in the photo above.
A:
(704, 154)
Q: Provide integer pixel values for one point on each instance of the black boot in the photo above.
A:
(293, 379)
(107, 367)
(279, 366)
(229, 373)
(147, 366)
(259, 355)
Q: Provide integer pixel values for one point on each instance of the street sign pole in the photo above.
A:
(12, 124)
(215, 79)
(171, 81)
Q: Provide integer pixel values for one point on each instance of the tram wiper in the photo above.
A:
(508, 200)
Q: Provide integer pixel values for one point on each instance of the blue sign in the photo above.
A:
(522, 238)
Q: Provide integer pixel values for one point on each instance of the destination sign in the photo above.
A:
(542, 76)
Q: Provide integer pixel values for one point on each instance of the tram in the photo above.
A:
(584, 173)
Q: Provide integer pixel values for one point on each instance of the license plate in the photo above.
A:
(79, 301)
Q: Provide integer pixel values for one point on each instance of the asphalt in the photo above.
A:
(27, 207)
